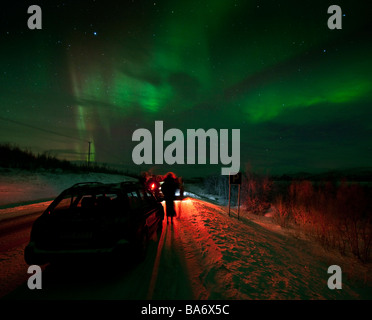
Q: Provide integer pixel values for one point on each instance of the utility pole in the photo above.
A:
(89, 154)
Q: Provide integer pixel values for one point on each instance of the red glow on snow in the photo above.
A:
(155, 269)
(170, 239)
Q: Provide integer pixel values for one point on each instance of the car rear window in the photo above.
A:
(96, 200)
(64, 204)
(91, 201)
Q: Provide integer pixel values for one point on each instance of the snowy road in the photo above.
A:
(204, 254)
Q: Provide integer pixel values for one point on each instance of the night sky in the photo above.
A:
(98, 70)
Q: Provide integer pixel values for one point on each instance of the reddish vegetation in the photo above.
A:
(338, 215)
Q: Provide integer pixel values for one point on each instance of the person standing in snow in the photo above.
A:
(169, 188)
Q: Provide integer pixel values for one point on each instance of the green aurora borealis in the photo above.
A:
(299, 92)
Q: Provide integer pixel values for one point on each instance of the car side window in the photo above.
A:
(134, 199)
(119, 205)
(147, 197)
(143, 195)
(150, 197)
(87, 202)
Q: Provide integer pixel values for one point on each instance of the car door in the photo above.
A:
(150, 210)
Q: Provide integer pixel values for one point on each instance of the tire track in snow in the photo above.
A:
(205, 257)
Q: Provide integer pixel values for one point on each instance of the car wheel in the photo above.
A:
(29, 255)
(31, 258)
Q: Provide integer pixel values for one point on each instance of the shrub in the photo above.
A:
(281, 212)
(256, 192)
(337, 216)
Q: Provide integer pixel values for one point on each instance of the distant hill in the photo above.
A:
(14, 157)
(349, 174)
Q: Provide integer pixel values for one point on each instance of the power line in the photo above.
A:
(43, 130)
(65, 136)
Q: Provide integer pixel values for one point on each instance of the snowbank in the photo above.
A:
(195, 190)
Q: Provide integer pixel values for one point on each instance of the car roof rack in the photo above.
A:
(128, 183)
(85, 183)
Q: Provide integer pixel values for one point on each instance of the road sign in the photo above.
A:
(236, 178)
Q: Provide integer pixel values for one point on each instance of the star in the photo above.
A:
(95, 33)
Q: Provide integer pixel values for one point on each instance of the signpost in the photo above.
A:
(235, 179)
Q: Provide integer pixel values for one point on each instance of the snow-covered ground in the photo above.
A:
(245, 259)
(297, 251)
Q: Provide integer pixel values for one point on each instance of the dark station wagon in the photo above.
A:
(92, 219)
